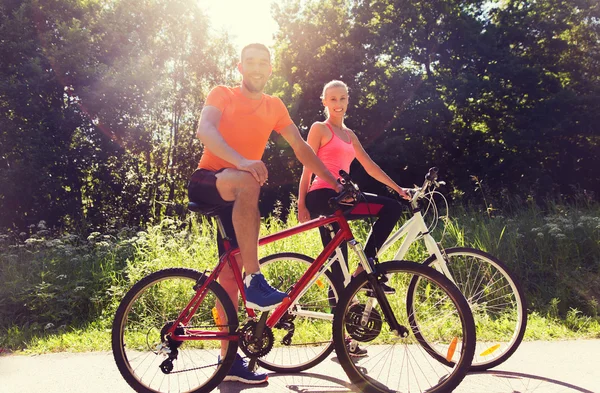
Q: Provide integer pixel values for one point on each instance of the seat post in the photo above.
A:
(210, 212)
(220, 226)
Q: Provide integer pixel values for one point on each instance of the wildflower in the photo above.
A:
(41, 224)
(540, 235)
(554, 230)
(48, 326)
(32, 241)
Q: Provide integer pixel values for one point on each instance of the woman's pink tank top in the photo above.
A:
(335, 154)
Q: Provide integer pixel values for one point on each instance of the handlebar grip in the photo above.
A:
(349, 189)
(432, 174)
(344, 175)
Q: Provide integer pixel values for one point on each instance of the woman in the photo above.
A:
(337, 146)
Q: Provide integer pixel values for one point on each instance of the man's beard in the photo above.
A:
(252, 88)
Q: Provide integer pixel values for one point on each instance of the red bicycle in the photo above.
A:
(171, 326)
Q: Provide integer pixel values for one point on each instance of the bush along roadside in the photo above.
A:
(59, 291)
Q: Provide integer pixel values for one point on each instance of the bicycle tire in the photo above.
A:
(316, 342)
(403, 364)
(497, 302)
(146, 309)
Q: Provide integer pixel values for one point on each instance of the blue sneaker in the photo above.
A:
(260, 295)
(239, 373)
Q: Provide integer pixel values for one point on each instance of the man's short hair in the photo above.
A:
(255, 46)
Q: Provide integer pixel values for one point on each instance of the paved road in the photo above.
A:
(540, 367)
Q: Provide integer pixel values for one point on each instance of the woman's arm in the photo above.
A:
(373, 169)
(314, 141)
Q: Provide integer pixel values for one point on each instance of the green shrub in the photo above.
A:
(53, 284)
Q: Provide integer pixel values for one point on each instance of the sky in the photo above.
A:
(247, 21)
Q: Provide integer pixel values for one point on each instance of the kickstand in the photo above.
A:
(260, 328)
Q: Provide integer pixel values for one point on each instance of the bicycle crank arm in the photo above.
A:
(253, 364)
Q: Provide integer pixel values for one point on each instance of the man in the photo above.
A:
(234, 127)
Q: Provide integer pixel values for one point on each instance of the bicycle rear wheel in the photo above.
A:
(497, 302)
(141, 347)
(402, 364)
(303, 337)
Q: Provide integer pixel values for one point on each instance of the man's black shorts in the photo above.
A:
(202, 190)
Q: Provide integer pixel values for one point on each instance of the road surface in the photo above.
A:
(540, 367)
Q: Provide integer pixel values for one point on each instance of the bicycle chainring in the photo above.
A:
(251, 345)
(357, 328)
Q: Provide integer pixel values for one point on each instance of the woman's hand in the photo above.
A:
(403, 193)
(303, 214)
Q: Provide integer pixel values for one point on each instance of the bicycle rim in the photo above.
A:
(140, 346)
(403, 364)
(304, 337)
(497, 302)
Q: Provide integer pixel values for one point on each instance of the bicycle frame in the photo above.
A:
(412, 230)
(318, 267)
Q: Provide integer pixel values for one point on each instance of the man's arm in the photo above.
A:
(307, 156)
(209, 135)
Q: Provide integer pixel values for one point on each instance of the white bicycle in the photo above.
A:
(495, 295)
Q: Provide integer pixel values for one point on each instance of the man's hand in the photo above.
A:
(303, 214)
(256, 168)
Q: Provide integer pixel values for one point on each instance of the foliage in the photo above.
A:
(98, 105)
(99, 99)
(58, 284)
(505, 91)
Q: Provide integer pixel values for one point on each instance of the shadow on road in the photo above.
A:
(304, 382)
(514, 382)
(480, 382)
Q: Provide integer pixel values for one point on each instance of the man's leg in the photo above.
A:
(204, 190)
(241, 188)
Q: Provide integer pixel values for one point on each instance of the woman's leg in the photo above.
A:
(387, 211)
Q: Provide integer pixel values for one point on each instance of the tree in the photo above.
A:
(99, 107)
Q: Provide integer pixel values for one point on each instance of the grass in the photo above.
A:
(59, 291)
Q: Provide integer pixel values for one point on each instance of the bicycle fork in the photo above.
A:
(379, 296)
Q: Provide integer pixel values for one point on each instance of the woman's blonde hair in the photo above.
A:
(328, 85)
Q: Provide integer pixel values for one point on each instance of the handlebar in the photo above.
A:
(350, 190)
(431, 179)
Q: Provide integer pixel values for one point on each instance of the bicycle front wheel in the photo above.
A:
(497, 302)
(148, 359)
(303, 337)
(403, 364)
